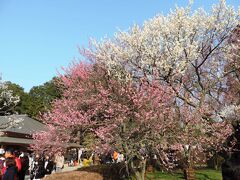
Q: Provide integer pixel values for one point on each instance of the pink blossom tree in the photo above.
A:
(231, 109)
(51, 140)
(134, 118)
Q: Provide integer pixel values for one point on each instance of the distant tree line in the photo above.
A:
(37, 100)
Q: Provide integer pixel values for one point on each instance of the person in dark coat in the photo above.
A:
(25, 165)
(11, 169)
(231, 167)
(48, 165)
(10, 154)
(230, 170)
(38, 170)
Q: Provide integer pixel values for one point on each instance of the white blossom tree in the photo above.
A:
(186, 50)
(7, 102)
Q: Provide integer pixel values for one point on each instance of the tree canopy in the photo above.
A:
(160, 88)
(36, 101)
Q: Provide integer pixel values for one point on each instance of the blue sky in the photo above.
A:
(37, 37)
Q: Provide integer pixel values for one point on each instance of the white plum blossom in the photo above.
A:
(169, 44)
(7, 99)
(7, 102)
(185, 49)
(231, 112)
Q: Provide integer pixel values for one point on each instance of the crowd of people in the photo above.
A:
(94, 158)
(14, 165)
(41, 166)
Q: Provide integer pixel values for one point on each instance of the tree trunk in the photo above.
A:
(138, 176)
(189, 174)
(139, 172)
(215, 161)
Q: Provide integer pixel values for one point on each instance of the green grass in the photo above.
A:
(209, 174)
(206, 174)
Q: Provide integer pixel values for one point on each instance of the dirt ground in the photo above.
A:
(74, 175)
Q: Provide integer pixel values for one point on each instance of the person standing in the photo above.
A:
(59, 161)
(10, 173)
(80, 152)
(120, 158)
(10, 154)
(38, 171)
(48, 165)
(115, 156)
(31, 160)
(25, 166)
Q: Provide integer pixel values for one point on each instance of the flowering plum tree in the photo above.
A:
(155, 87)
(68, 115)
(186, 51)
(124, 115)
(196, 136)
(231, 109)
(7, 102)
(135, 118)
(50, 141)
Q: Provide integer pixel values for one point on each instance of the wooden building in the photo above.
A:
(18, 136)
